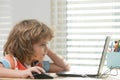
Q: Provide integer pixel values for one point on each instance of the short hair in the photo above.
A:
(24, 35)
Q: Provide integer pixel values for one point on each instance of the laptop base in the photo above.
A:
(70, 74)
(80, 75)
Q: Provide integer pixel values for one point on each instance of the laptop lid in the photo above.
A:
(103, 57)
(90, 72)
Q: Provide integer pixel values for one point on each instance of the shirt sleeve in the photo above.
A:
(46, 65)
(5, 63)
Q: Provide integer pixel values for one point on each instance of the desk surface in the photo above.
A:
(69, 78)
(64, 78)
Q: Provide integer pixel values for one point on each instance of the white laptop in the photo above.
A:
(88, 72)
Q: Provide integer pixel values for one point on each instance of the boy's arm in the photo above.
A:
(59, 63)
(11, 73)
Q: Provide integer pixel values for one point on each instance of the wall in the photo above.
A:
(24, 9)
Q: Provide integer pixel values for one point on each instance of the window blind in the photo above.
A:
(5, 22)
(58, 22)
(82, 26)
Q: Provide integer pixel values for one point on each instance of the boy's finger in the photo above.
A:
(41, 69)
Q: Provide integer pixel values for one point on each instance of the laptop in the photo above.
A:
(87, 71)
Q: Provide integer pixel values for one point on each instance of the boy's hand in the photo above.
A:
(28, 72)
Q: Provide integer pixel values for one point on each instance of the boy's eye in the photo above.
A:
(43, 45)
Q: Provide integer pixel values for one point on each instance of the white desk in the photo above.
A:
(66, 78)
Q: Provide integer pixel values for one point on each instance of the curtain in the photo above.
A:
(58, 22)
(5, 22)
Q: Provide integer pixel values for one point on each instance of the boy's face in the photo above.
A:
(40, 50)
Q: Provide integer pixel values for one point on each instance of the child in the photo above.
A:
(25, 49)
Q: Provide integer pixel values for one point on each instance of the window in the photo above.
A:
(82, 26)
(5, 22)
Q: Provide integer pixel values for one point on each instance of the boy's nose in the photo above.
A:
(45, 51)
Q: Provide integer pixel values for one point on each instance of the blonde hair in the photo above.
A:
(24, 35)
